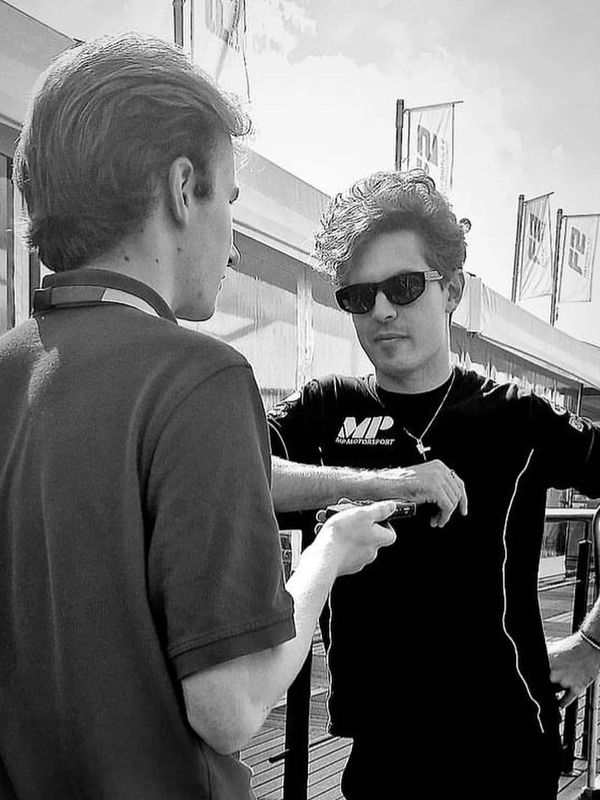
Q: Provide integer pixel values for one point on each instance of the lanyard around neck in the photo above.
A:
(92, 287)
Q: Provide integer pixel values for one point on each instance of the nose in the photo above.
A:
(234, 257)
(383, 310)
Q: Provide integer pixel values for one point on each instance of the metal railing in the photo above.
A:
(588, 552)
(297, 746)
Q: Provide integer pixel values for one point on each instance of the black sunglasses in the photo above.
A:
(400, 289)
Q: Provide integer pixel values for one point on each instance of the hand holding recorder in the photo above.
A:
(353, 532)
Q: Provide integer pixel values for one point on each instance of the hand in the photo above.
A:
(574, 664)
(353, 537)
(432, 482)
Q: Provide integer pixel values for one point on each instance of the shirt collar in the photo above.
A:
(90, 287)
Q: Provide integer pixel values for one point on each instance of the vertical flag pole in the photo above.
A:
(245, 31)
(452, 151)
(518, 239)
(192, 29)
(399, 126)
(408, 135)
(178, 21)
(556, 269)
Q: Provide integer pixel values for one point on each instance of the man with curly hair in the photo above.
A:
(439, 669)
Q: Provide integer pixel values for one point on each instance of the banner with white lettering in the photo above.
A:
(431, 142)
(535, 273)
(218, 43)
(579, 251)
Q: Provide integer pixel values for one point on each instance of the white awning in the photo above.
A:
(278, 209)
(494, 318)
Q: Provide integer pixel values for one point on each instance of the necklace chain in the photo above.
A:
(423, 450)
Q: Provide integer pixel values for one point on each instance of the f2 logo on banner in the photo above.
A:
(536, 234)
(427, 149)
(576, 248)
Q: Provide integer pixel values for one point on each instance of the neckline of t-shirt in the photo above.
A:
(389, 398)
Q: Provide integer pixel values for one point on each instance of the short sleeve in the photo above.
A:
(214, 564)
(295, 424)
(568, 447)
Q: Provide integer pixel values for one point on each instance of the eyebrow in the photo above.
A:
(235, 194)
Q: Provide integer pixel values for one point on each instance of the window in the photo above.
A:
(6, 239)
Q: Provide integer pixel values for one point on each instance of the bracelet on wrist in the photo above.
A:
(590, 640)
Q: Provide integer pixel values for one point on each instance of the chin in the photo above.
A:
(194, 312)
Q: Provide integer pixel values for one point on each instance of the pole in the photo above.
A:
(178, 22)
(452, 151)
(556, 269)
(590, 790)
(584, 552)
(517, 258)
(34, 276)
(399, 126)
(297, 734)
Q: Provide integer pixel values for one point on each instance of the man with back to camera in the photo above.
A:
(146, 631)
(439, 669)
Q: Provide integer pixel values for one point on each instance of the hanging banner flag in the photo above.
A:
(577, 264)
(431, 142)
(535, 273)
(218, 43)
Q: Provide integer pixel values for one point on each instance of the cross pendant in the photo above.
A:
(422, 448)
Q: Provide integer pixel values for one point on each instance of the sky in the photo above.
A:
(325, 76)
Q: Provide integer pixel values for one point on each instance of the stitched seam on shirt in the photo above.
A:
(197, 384)
(517, 655)
(591, 446)
(156, 429)
(229, 633)
(276, 430)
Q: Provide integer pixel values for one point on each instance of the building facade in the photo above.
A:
(26, 48)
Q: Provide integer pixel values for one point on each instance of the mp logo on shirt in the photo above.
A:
(365, 432)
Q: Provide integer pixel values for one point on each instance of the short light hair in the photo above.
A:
(106, 121)
(384, 202)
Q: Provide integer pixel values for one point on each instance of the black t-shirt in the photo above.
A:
(138, 545)
(444, 626)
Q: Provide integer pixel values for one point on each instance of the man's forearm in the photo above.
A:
(275, 669)
(575, 660)
(297, 487)
(591, 624)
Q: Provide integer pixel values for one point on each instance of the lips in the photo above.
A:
(390, 337)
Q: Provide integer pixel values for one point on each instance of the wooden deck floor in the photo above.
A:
(328, 755)
(327, 760)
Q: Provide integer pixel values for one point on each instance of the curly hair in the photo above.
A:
(384, 202)
(107, 119)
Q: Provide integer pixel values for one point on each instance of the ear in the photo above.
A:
(181, 181)
(455, 289)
